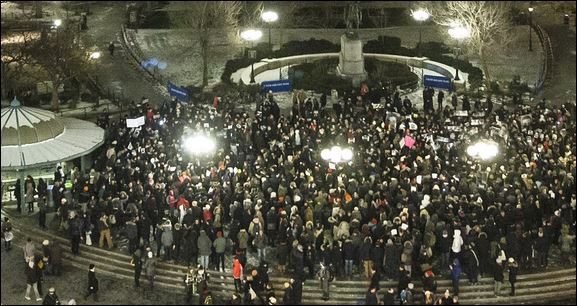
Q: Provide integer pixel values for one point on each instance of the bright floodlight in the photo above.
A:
(57, 22)
(251, 35)
(269, 16)
(337, 154)
(326, 154)
(347, 154)
(95, 55)
(199, 144)
(484, 149)
(459, 32)
(420, 15)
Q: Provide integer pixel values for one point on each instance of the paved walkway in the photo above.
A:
(562, 87)
(115, 73)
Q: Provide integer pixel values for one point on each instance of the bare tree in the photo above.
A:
(489, 23)
(200, 18)
(15, 58)
(61, 56)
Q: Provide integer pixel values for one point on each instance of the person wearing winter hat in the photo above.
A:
(51, 298)
(92, 283)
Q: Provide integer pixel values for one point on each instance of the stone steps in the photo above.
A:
(546, 286)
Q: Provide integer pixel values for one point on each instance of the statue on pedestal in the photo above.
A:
(351, 61)
(353, 19)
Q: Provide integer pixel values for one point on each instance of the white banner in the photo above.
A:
(133, 123)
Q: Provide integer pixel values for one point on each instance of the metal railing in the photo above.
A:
(137, 57)
(546, 71)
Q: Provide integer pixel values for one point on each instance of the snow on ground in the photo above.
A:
(185, 68)
(183, 58)
(516, 59)
(17, 11)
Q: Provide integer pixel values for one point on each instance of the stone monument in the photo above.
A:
(351, 61)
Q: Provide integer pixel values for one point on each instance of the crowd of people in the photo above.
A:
(411, 204)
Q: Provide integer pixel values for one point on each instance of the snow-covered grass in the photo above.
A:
(185, 63)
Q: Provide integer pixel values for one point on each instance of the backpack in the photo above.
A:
(404, 296)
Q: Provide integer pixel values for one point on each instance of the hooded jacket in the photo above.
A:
(204, 244)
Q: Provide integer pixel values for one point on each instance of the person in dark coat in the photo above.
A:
(92, 283)
(440, 98)
(32, 280)
(541, 246)
(371, 297)
(136, 262)
(513, 270)
(282, 255)
(76, 234)
(389, 297)
(498, 276)
(297, 291)
(471, 260)
(404, 280)
(51, 298)
(466, 103)
(288, 294)
(365, 256)
(375, 279)
(482, 249)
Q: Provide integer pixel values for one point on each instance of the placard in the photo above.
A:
(133, 123)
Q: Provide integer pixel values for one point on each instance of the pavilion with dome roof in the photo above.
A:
(33, 137)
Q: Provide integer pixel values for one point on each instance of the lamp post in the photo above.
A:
(269, 17)
(420, 15)
(252, 36)
(530, 25)
(458, 33)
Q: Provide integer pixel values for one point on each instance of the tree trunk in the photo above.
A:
(485, 65)
(204, 51)
(55, 102)
(4, 86)
(38, 9)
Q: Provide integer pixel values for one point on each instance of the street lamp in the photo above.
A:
(458, 33)
(252, 36)
(337, 154)
(269, 17)
(420, 15)
(199, 144)
(530, 25)
(484, 149)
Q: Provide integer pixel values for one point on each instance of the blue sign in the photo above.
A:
(438, 82)
(179, 92)
(276, 86)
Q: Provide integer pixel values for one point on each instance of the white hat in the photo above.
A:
(207, 207)
(404, 226)
(45, 242)
(511, 259)
(411, 286)
(273, 195)
(457, 233)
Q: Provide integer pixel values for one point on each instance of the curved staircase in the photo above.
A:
(531, 288)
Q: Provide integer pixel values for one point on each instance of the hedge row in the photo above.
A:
(384, 45)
